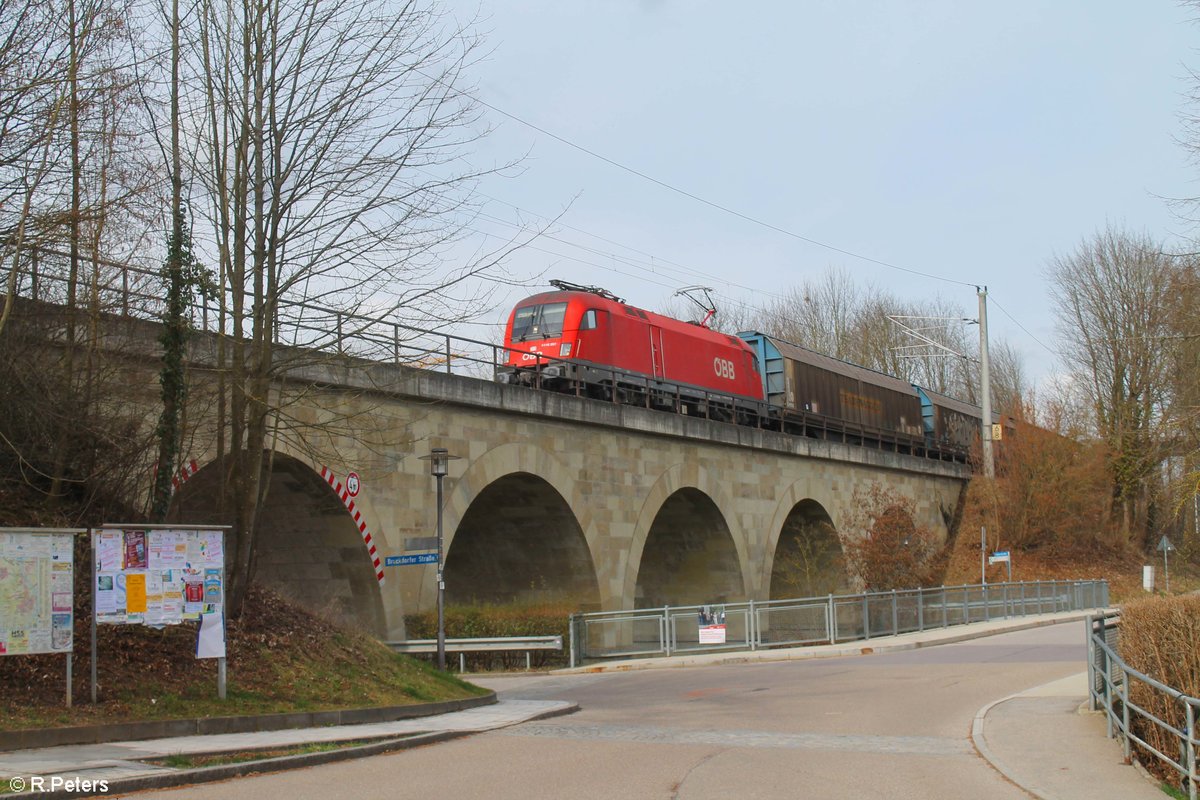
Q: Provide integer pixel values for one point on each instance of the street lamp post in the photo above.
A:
(439, 460)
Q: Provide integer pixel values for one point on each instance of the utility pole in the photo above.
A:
(985, 386)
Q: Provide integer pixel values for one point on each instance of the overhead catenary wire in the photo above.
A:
(725, 209)
(691, 195)
(1004, 311)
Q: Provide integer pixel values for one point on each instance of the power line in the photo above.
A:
(653, 265)
(1014, 320)
(696, 197)
(710, 203)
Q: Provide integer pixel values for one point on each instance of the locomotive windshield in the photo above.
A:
(538, 322)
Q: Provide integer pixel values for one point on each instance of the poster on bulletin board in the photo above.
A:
(157, 577)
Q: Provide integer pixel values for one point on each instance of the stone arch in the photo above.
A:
(807, 560)
(519, 540)
(308, 547)
(688, 487)
(532, 469)
(821, 493)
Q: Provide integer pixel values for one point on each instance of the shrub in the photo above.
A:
(884, 546)
(1050, 491)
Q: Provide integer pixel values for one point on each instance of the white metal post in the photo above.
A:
(752, 626)
(1166, 571)
(982, 554)
(1191, 750)
(571, 640)
(222, 674)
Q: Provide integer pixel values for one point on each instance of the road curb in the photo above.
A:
(168, 780)
(31, 739)
(979, 742)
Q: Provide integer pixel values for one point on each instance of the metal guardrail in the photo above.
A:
(496, 644)
(755, 625)
(1111, 685)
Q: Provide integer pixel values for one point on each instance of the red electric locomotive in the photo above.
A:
(588, 341)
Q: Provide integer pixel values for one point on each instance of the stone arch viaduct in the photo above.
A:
(609, 507)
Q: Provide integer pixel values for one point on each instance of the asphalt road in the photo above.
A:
(876, 726)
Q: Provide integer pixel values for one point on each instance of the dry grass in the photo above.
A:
(1120, 567)
(281, 658)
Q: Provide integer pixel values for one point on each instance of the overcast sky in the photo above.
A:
(965, 140)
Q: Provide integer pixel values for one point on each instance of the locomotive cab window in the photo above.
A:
(538, 322)
(589, 321)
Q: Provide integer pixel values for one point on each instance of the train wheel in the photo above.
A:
(597, 391)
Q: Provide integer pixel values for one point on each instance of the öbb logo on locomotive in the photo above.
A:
(586, 341)
(723, 368)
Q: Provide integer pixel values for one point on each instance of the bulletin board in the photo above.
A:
(37, 575)
(157, 577)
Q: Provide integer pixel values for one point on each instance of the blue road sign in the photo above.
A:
(401, 561)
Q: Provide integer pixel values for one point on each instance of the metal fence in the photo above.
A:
(676, 630)
(1113, 684)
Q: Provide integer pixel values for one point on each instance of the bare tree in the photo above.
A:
(1009, 383)
(33, 67)
(70, 180)
(1183, 412)
(327, 157)
(819, 314)
(1111, 294)
(854, 322)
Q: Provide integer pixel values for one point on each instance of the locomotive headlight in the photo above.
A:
(564, 349)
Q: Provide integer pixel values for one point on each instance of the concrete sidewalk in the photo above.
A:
(1046, 741)
(123, 767)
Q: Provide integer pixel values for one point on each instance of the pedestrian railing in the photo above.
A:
(1129, 698)
(302, 330)
(756, 625)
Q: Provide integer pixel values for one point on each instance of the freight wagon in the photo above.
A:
(818, 395)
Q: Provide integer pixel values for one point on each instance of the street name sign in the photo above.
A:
(404, 561)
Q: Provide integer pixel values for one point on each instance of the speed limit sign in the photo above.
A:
(352, 484)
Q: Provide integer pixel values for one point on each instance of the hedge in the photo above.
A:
(489, 621)
(1160, 637)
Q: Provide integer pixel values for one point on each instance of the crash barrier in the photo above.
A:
(482, 645)
(755, 625)
(1126, 695)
